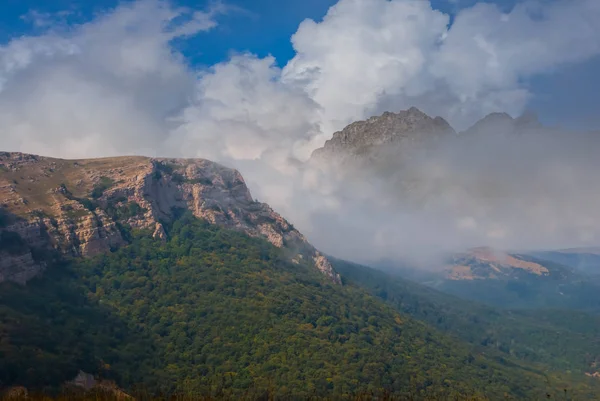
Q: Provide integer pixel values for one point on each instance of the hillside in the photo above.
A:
(512, 280)
(509, 280)
(165, 276)
(563, 339)
(487, 263)
(80, 207)
(211, 307)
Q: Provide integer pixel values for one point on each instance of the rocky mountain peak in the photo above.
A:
(361, 137)
(79, 207)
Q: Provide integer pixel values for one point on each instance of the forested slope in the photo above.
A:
(561, 339)
(213, 309)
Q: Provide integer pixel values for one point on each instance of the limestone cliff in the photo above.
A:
(79, 207)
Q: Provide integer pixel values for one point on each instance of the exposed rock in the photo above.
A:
(365, 138)
(324, 265)
(159, 232)
(77, 207)
(19, 268)
(86, 382)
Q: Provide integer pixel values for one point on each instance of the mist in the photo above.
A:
(118, 85)
(530, 189)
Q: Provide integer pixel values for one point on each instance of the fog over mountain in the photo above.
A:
(510, 184)
(118, 85)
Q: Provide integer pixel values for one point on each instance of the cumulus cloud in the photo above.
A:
(105, 87)
(367, 57)
(243, 108)
(117, 85)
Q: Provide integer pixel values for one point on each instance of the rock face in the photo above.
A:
(86, 381)
(365, 138)
(396, 135)
(79, 207)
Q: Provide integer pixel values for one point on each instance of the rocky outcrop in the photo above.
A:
(19, 268)
(362, 139)
(79, 207)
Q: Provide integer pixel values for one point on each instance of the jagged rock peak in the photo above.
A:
(78, 206)
(411, 125)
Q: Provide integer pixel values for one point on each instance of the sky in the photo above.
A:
(258, 85)
(259, 26)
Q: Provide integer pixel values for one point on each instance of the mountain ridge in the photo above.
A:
(80, 207)
(361, 137)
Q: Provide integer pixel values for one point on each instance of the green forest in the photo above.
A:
(564, 339)
(213, 311)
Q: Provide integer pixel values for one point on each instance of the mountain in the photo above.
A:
(214, 311)
(80, 207)
(414, 169)
(509, 280)
(367, 139)
(504, 123)
(487, 263)
(163, 275)
(583, 260)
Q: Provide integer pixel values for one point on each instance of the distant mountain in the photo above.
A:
(566, 338)
(509, 280)
(488, 263)
(504, 123)
(364, 138)
(414, 164)
(583, 260)
(390, 133)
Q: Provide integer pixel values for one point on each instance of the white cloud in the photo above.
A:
(362, 50)
(104, 87)
(116, 85)
(366, 57)
(242, 110)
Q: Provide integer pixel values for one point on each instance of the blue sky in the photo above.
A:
(260, 26)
